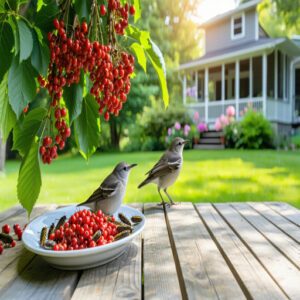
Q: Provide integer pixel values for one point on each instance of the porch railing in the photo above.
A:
(276, 110)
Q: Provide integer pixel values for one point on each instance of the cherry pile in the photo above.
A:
(79, 231)
(109, 70)
(6, 240)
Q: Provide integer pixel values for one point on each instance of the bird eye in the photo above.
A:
(179, 144)
(124, 168)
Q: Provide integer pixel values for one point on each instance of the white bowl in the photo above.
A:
(77, 259)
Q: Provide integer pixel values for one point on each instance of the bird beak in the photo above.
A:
(186, 141)
(132, 166)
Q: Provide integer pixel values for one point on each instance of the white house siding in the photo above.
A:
(218, 35)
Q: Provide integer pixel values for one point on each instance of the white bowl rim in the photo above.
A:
(82, 252)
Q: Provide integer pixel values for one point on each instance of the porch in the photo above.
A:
(264, 80)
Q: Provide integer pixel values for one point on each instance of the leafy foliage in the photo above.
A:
(253, 132)
(24, 45)
(87, 127)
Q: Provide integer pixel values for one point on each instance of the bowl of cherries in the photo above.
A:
(76, 238)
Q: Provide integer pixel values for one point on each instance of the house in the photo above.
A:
(242, 65)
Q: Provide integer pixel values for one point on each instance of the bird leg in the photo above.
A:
(162, 199)
(171, 201)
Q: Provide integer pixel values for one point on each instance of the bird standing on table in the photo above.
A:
(167, 169)
(109, 196)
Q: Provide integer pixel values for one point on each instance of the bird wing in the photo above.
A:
(167, 163)
(107, 189)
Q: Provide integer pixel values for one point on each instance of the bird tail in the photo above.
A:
(145, 182)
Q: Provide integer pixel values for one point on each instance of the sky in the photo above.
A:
(211, 8)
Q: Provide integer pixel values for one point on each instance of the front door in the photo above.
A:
(297, 93)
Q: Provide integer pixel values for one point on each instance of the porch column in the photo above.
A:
(223, 88)
(264, 83)
(206, 95)
(251, 78)
(237, 88)
(184, 89)
(196, 84)
(276, 75)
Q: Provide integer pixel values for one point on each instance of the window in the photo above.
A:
(230, 81)
(215, 83)
(201, 86)
(238, 26)
(191, 88)
(257, 76)
(271, 76)
(244, 78)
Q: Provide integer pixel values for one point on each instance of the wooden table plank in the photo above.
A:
(205, 272)
(289, 212)
(160, 276)
(254, 277)
(15, 210)
(279, 267)
(10, 264)
(40, 281)
(119, 279)
(279, 221)
(281, 241)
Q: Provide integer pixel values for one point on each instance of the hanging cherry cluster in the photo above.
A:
(109, 70)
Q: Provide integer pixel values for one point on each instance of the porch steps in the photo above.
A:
(210, 140)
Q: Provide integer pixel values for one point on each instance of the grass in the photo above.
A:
(207, 176)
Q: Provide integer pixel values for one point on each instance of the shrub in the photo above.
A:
(232, 134)
(296, 141)
(255, 132)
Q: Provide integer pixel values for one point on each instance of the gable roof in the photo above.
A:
(242, 7)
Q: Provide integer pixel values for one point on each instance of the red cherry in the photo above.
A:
(6, 229)
(63, 112)
(42, 150)
(56, 23)
(106, 116)
(25, 110)
(84, 27)
(47, 141)
(1, 249)
(13, 244)
(19, 234)
(102, 10)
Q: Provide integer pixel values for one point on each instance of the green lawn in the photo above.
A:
(207, 176)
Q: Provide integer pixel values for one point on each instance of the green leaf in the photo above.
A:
(44, 17)
(29, 180)
(137, 5)
(87, 127)
(156, 58)
(40, 55)
(26, 41)
(21, 85)
(154, 55)
(140, 54)
(83, 9)
(7, 116)
(40, 3)
(14, 25)
(6, 45)
(25, 133)
(73, 96)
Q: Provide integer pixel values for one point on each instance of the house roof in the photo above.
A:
(242, 7)
(242, 49)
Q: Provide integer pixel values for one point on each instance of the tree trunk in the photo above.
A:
(114, 134)
(2, 153)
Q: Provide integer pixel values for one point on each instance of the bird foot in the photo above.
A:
(164, 203)
(173, 203)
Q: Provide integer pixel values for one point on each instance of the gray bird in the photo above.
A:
(109, 196)
(167, 169)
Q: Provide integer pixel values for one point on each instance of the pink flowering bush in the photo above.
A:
(177, 130)
(225, 120)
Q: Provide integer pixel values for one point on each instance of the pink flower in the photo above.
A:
(196, 116)
(177, 126)
(169, 131)
(186, 130)
(202, 127)
(218, 125)
(230, 111)
(224, 120)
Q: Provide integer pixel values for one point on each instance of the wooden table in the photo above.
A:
(202, 251)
